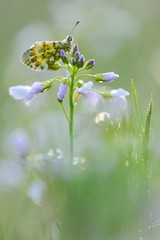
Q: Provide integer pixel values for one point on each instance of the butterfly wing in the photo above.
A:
(42, 55)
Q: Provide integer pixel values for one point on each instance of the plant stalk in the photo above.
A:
(71, 117)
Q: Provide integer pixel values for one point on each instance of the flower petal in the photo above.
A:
(92, 97)
(36, 88)
(119, 92)
(86, 87)
(19, 92)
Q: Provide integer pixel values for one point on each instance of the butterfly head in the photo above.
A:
(69, 38)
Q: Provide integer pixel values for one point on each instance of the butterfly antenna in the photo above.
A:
(75, 26)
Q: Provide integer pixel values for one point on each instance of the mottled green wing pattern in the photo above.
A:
(42, 55)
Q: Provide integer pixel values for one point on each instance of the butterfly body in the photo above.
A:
(43, 55)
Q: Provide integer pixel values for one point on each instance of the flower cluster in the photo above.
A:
(74, 63)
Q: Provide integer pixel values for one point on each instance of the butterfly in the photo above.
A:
(43, 55)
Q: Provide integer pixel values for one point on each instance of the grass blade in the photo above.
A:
(136, 104)
(148, 121)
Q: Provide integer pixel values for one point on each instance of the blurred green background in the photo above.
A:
(122, 36)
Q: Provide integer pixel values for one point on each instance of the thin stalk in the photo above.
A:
(64, 111)
(67, 68)
(84, 75)
(71, 117)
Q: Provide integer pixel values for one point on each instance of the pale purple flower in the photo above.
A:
(36, 191)
(19, 92)
(62, 53)
(86, 88)
(25, 93)
(119, 97)
(62, 91)
(88, 94)
(92, 97)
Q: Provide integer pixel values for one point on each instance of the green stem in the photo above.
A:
(84, 75)
(71, 117)
(66, 68)
(80, 70)
(64, 111)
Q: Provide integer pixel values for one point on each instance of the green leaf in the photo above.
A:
(136, 104)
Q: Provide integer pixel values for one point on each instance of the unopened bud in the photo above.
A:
(80, 83)
(81, 61)
(75, 48)
(89, 64)
(105, 77)
(62, 92)
(64, 57)
(73, 61)
(77, 54)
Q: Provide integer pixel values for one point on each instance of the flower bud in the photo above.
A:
(62, 92)
(81, 61)
(89, 64)
(64, 57)
(75, 48)
(62, 53)
(105, 77)
(73, 61)
(77, 54)
(80, 83)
